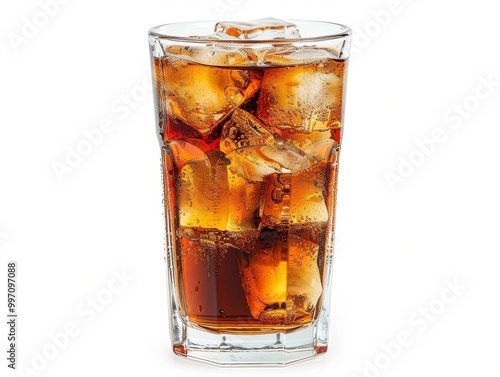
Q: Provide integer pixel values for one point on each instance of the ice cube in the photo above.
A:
(314, 232)
(289, 55)
(303, 98)
(209, 55)
(217, 36)
(261, 29)
(264, 274)
(305, 202)
(216, 54)
(244, 203)
(317, 143)
(187, 151)
(202, 192)
(204, 96)
(304, 286)
(281, 279)
(255, 152)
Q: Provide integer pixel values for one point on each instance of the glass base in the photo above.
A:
(255, 349)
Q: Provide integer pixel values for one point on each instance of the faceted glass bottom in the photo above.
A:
(254, 349)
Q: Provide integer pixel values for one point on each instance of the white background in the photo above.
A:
(396, 248)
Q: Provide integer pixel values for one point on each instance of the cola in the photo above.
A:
(250, 143)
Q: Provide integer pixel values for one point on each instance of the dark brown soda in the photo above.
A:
(210, 261)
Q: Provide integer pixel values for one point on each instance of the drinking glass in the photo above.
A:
(249, 118)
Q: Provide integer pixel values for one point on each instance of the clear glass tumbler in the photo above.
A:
(249, 118)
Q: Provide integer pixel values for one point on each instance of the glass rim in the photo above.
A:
(343, 31)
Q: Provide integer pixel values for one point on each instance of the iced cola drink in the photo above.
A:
(250, 124)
